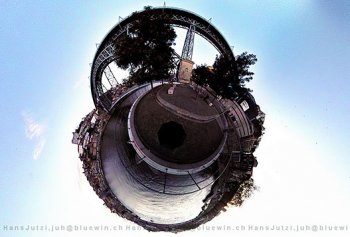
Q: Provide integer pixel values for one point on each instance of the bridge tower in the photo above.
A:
(186, 63)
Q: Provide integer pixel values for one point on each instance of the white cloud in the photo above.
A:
(38, 149)
(34, 131)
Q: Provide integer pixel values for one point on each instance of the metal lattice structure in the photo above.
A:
(175, 17)
(187, 50)
(110, 77)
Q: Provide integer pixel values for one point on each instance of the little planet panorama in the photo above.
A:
(171, 145)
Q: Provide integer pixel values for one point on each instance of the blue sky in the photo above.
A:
(301, 82)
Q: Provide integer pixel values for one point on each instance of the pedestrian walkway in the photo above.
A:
(183, 96)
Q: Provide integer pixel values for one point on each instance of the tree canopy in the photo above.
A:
(226, 77)
(243, 62)
(145, 49)
(244, 192)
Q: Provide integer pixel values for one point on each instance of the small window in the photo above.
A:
(245, 105)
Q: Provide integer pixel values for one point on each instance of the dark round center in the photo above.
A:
(171, 135)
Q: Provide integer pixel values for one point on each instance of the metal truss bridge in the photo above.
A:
(173, 16)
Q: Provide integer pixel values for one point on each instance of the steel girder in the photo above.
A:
(173, 16)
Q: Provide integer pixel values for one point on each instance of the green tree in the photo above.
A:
(145, 49)
(244, 192)
(202, 75)
(243, 62)
(227, 77)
